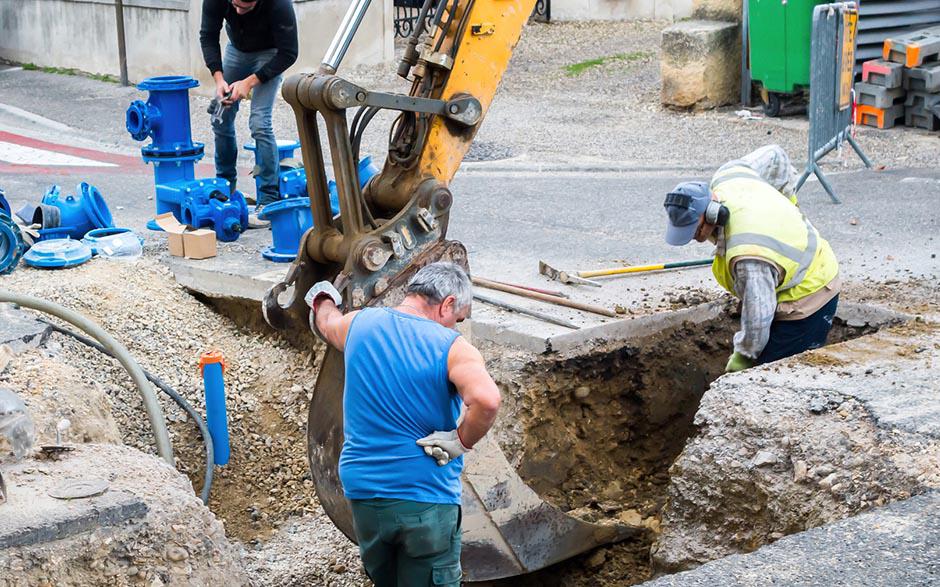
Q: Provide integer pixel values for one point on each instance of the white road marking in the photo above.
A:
(35, 118)
(21, 155)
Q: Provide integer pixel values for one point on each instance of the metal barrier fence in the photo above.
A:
(830, 93)
(407, 12)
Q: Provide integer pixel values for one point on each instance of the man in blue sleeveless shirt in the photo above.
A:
(407, 375)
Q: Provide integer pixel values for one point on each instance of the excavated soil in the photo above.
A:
(596, 434)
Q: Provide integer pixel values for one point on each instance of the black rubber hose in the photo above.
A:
(176, 397)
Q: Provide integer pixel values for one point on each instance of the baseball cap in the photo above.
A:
(685, 204)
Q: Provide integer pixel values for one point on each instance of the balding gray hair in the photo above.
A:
(438, 280)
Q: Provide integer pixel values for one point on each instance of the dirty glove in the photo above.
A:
(319, 290)
(443, 447)
(738, 362)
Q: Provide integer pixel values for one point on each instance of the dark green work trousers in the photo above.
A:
(408, 543)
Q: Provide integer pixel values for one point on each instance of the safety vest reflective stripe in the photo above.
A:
(803, 259)
(739, 173)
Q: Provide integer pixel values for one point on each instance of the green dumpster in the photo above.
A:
(779, 32)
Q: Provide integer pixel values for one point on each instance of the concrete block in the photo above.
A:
(922, 100)
(880, 117)
(727, 10)
(920, 117)
(925, 78)
(878, 96)
(914, 48)
(701, 63)
(883, 73)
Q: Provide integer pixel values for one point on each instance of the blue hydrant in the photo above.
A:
(201, 203)
(212, 365)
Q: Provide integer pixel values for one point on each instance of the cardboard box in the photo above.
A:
(184, 241)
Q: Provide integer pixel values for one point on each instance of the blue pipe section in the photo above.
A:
(4, 205)
(165, 118)
(216, 418)
(291, 217)
(79, 213)
(289, 184)
(11, 244)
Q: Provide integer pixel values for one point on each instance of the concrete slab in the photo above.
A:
(898, 544)
(20, 330)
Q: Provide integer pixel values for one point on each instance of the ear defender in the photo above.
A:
(717, 213)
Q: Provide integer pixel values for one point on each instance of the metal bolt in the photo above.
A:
(358, 297)
(361, 96)
(454, 109)
(381, 284)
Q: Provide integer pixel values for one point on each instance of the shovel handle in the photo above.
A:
(643, 268)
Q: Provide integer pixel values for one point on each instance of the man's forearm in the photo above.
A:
(327, 317)
(476, 423)
(755, 283)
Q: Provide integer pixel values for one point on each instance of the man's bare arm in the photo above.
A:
(332, 323)
(467, 371)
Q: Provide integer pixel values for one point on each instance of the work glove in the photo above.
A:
(319, 290)
(738, 362)
(443, 447)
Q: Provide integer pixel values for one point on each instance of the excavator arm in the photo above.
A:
(396, 224)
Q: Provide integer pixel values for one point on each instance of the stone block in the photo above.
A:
(727, 10)
(878, 96)
(701, 62)
(883, 73)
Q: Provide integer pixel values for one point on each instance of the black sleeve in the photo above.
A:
(213, 14)
(284, 27)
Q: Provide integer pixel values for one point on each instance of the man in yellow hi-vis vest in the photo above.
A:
(768, 254)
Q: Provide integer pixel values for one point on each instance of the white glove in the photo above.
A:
(443, 447)
(321, 289)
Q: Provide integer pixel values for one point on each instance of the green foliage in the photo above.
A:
(576, 69)
(101, 77)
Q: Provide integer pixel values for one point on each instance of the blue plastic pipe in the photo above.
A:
(216, 419)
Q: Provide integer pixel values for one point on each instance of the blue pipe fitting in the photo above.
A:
(213, 368)
(4, 205)
(285, 150)
(57, 253)
(367, 170)
(78, 213)
(11, 244)
(290, 219)
(165, 118)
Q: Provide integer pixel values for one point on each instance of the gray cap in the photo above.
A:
(685, 205)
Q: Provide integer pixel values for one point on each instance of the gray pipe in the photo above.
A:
(344, 36)
(154, 411)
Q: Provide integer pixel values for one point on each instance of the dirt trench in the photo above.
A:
(596, 434)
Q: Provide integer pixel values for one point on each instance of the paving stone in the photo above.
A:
(880, 117)
(914, 48)
(20, 330)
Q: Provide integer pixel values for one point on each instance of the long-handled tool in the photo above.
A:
(526, 311)
(643, 268)
(564, 276)
(543, 297)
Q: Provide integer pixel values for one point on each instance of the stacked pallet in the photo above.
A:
(903, 86)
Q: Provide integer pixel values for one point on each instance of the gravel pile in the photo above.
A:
(268, 384)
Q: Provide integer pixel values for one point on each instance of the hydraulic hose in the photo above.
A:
(174, 395)
(151, 405)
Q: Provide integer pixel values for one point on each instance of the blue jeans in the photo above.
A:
(237, 65)
(790, 337)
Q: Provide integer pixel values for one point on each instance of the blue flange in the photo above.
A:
(4, 205)
(57, 254)
(290, 219)
(11, 244)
